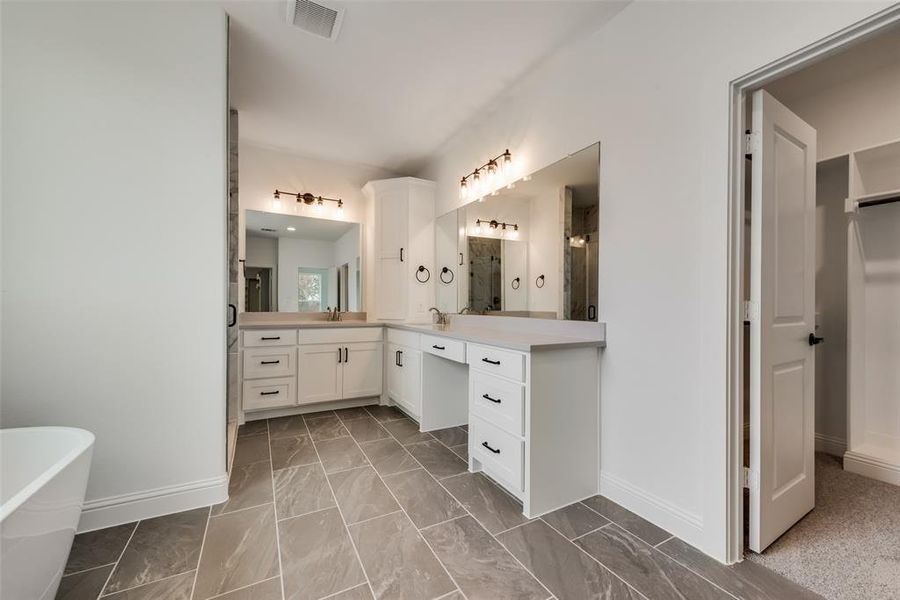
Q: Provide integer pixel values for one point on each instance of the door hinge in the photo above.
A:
(751, 310)
(749, 479)
(751, 144)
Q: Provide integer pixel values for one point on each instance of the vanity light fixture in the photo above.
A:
(496, 168)
(508, 230)
(318, 202)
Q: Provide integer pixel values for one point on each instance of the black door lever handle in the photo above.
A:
(813, 340)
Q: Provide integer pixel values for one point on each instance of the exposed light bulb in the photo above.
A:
(491, 174)
(276, 200)
(476, 183)
(478, 226)
(514, 234)
(340, 206)
(292, 229)
(463, 189)
(506, 163)
(320, 205)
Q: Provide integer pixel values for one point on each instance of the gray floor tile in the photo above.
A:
(347, 414)
(439, 460)
(480, 566)
(574, 520)
(361, 495)
(287, 427)
(270, 589)
(646, 569)
(301, 490)
(464, 428)
(366, 429)
(160, 547)
(388, 456)
(495, 509)
(177, 587)
(398, 561)
(462, 451)
(627, 520)
(340, 454)
(326, 428)
(406, 431)
(317, 556)
(248, 485)
(746, 580)
(253, 428)
(96, 548)
(452, 436)
(249, 449)
(568, 573)
(293, 452)
(240, 549)
(423, 499)
(360, 592)
(85, 585)
(319, 414)
(385, 413)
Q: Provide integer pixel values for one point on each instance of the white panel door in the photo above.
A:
(411, 366)
(394, 373)
(391, 229)
(782, 285)
(319, 373)
(362, 370)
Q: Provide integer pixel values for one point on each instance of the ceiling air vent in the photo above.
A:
(315, 18)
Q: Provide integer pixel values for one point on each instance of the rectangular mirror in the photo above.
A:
(529, 249)
(301, 264)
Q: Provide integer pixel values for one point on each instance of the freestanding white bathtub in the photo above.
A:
(43, 475)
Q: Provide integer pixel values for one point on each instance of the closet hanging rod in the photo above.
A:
(879, 201)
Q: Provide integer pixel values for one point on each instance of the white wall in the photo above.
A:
(347, 251)
(653, 87)
(261, 251)
(311, 254)
(114, 119)
(263, 169)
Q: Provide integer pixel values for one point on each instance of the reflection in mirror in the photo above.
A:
(530, 249)
(301, 264)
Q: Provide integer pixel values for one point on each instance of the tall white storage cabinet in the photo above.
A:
(403, 243)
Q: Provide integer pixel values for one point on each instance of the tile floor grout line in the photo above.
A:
(393, 512)
(341, 515)
(607, 524)
(400, 472)
(698, 574)
(86, 570)
(613, 573)
(121, 554)
(306, 514)
(134, 587)
(202, 545)
(444, 522)
(275, 504)
(422, 537)
(622, 527)
(237, 510)
(243, 587)
(339, 592)
(658, 544)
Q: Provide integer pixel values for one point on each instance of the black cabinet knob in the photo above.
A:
(813, 340)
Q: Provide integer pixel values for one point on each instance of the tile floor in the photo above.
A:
(358, 504)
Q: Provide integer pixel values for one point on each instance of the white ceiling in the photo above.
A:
(401, 78)
(306, 228)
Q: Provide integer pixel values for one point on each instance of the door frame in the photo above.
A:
(740, 90)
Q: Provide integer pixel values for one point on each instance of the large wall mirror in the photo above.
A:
(301, 264)
(528, 250)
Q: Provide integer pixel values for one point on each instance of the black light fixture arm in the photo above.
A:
(308, 198)
(495, 224)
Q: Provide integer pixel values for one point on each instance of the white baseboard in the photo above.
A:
(830, 444)
(127, 508)
(677, 521)
(870, 466)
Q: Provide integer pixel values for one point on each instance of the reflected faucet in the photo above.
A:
(333, 314)
(467, 309)
(441, 317)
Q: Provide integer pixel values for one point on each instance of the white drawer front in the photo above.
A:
(260, 394)
(403, 337)
(500, 453)
(498, 401)
(340, 335)
(270, 362)
(443, 347)
(499, 362)
(269, 337)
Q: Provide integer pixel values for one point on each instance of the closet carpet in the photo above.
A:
(848, 547)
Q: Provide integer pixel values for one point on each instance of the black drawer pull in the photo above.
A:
(266, 339)
(269, 362)
(436, 347)
(490, 362)
(488, 446)
(268, 393)
(494, 400)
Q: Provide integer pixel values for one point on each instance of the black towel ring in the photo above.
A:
(423, 269)
(444, 271)
(539, 281)
(515, 283)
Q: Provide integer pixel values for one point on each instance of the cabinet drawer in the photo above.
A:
(254, 338)
(504, 363)
(269, 393)
(270, 362)
(403, 338)
(443, 347)
(498, 401)
(340, 335)
(500, 453)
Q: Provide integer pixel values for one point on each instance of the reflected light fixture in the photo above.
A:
(487, 177)
(508, 230)
(308, 199)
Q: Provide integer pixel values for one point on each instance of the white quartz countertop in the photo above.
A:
(513, 339)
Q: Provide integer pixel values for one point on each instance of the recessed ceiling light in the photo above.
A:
(292, 229)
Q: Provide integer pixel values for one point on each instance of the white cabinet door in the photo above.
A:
(391, 231)
(391, 288)
(394, 373)
(362, 370)
(320, 372)
(411, 367)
